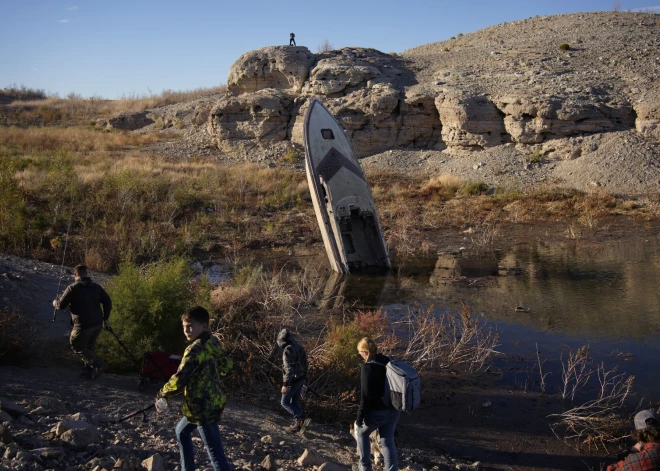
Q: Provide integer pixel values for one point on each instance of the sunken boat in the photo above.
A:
(343, 203)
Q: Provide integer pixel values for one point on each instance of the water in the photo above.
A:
(606, 296)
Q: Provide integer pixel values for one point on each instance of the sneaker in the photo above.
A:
(294, 427)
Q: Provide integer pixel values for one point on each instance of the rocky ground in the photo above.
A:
(53, 420)
(467, 421)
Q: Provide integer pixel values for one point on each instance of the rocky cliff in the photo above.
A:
(524, 83)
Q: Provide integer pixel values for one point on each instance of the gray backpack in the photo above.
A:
(403, 388)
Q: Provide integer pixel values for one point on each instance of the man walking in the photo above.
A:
(294, 364)
(86, 299)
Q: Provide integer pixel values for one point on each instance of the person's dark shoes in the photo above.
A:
(98, 371)
(86, 373)
(294, 427)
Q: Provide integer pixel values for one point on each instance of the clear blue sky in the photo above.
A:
(119, 48)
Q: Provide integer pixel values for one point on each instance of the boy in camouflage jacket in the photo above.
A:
(200, 374)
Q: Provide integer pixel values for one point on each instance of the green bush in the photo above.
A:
(17, 337)
(474, 188)
(564, 47)
(12, 204)
(147, 308)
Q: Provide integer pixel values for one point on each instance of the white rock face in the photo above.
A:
(280, 67)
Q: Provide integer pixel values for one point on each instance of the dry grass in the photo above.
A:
(447, 340)
(75, 110)
(28, 141)
(600, 421)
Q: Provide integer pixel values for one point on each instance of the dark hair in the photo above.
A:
(650, 435)
(80, 270)
(197, 314)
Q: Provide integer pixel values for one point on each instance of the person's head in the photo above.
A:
(80, 271)
(283, 338)
(195, 321)
(647, 426)
(366, 347)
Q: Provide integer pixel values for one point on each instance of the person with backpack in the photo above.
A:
(294, 365)
(375, 410)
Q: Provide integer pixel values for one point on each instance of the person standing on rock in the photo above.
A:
(90, 310)
(294, 365)
(373, 413)
(292, 39)
(200, 377)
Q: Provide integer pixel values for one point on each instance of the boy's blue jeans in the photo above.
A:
(210, 437)
(291, 400)
(385, 421)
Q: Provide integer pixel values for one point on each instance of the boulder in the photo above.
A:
(154, 463)
(5, 435)
(66, 425)
(535, 120)
(420, 120)
(12, 408)
(129, 121)
(311, 458)
(330, 466)
(471, 121)
(648, 119)
(51, 405)
(242, 122)
(48, 452)
(277, 67)
(78, 439)
(269, 463)
(5, 417)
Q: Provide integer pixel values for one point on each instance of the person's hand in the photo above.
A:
(55, 303)
(161, 404)
(283, 389)
(638, 446)
(106, 324)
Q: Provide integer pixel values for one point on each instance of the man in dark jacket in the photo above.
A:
(294, 364)
(86, 299)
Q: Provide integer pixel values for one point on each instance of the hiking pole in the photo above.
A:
(66, 243)
(124, 347)
(133, 414)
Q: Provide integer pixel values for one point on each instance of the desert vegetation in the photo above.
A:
(255, 303)
(33, 107)
(113, 200)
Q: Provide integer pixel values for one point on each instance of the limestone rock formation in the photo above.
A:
(271, 67)
(509, 83)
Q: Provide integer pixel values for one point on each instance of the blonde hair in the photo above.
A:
(367, 345)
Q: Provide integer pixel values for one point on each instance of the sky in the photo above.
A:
(118, 48)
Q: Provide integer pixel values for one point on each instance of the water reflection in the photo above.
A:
(604, 295)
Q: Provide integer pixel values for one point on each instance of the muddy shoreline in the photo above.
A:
(512, 432)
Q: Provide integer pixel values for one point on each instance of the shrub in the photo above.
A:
(564, 47)
(325, 46)
(12, 204)
(536, 157)
(474, 188)
(290, 155)
(17, 337)
(147, 307)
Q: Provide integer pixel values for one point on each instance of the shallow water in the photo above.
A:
(606, 296)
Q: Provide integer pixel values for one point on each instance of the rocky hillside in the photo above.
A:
(537, 85)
